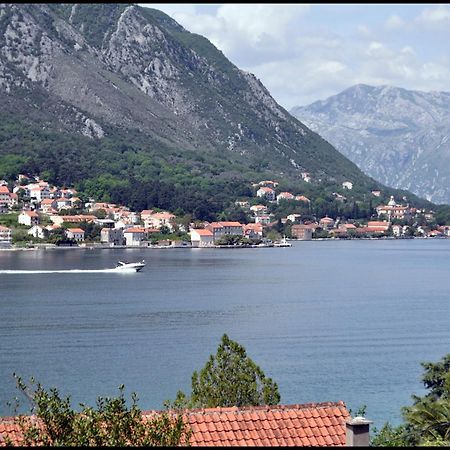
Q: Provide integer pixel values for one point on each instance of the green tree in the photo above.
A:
(427, 420)
(110, 423)
(230, 378)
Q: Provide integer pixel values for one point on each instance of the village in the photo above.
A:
(38, 214)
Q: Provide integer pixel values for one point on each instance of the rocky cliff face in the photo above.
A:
(397, 136)
(94, 68)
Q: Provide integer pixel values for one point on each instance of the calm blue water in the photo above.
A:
(328, 321)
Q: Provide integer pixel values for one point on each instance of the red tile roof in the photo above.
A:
(313, 424)
(75, 230)
(202, 232)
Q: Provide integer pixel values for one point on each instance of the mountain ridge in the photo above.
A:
(397, 136)
(145, 102)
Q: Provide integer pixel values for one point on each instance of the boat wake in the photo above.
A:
(26, 272)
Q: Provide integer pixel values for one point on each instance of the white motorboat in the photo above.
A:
(282, 243)
(129, 266)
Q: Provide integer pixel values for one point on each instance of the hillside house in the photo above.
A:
(294, 217)
(7, 199)
(264, 219)
(258, 209)
(48, 205)
(160, 219)
(63, 203)
(284, 196)
(28, 218)
(268, 183)
(306, 177)
(267, 193)
(347, 185)
(59, 220)
(327, 223)
(37, 231)
(302, 198)
(394, 211)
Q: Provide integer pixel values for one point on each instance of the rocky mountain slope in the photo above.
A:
(397, 136)
(124, 101)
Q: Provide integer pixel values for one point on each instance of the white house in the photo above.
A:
(28, 218)
(302, 198)
(253, 230)
(267, 193)
(264, 219)
(201, 237)
(75, 233)
(347, 185)
(284, 196)
(306, 176)
(159, 219)
(48, 205)
(294, 217)
(38, 192)
(327, 223)
(7, 199)
(5, 235)
(134, 236)
(37, 231)
(63, 203)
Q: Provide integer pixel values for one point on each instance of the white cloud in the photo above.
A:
(303, 53)
(439, 15)
(394, 22)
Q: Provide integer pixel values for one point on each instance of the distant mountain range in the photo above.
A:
(124, 102)
(399, 137)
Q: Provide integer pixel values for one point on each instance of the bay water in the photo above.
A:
(327, 320)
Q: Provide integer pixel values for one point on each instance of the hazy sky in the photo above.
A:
(303, 53)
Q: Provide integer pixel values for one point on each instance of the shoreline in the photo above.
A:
(122, 247)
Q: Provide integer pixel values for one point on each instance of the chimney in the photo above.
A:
(357, 432)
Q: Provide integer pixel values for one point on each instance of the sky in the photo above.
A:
(307, 52)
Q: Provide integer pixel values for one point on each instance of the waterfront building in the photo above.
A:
(134, 236)
(302, 232)
(201, 237)
(112, 236)
(75, 233)
(220, 229)
(394, 211)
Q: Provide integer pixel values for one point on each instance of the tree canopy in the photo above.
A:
(110, 423)
(427, 420)
(230, 378)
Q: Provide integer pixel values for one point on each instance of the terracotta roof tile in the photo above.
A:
(250, 426)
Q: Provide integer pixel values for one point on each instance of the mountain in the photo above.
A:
(125, 103)
(399, 137)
